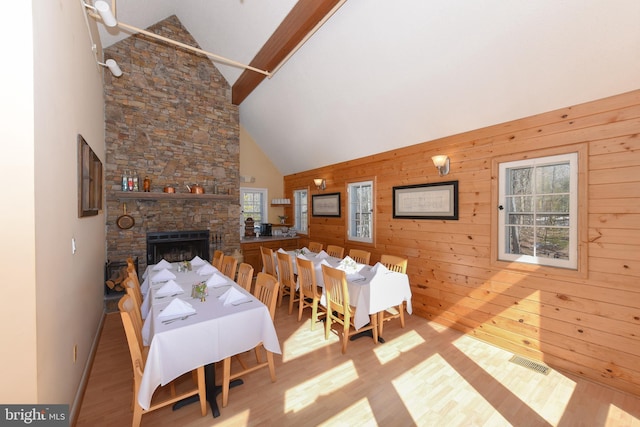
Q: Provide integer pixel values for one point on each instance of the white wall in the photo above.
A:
(52, 299)
(17, 251)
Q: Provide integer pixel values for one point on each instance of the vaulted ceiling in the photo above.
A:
(380, 74)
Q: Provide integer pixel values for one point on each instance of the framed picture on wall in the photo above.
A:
(89, 180)
(325, 204)
(426, 201)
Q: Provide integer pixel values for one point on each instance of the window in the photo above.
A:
(253, 202)
(300, 209)
(360, 211)
(538, 211)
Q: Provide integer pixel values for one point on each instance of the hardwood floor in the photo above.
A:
(425, 375)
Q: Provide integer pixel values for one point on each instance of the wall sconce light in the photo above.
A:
(113, 66)
(103, 9)
(441, 162)
(320, 183)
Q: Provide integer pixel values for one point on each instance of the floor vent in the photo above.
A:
(530, 364)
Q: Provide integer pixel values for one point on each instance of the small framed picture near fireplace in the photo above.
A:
(89, 180)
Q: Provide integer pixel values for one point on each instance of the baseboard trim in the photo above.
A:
(74, 411)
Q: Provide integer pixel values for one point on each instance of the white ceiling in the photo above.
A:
(384, 74)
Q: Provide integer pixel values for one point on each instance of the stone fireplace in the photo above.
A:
(169, 117)
(175, 246)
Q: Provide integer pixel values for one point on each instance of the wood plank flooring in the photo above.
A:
(424, 375)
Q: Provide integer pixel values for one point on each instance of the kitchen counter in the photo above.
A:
(265, 239)
(251, 248)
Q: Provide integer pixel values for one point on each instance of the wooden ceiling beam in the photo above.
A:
(303, 18)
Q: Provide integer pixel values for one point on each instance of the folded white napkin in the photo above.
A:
(379, 269)
(322, 255)
(207, 269)
(216, 280)
(301, 256)
(177, 307)
(232, 296)
(169, 288)
(162, 265)
(197, 261)
(348, 265)
(282, 251)
(163, 275)
(305, 250)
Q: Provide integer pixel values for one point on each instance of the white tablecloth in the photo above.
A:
(375, 293)
(213, 334)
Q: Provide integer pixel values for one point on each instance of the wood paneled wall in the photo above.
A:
(586, 323)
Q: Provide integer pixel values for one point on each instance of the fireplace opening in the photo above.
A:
(175, 246)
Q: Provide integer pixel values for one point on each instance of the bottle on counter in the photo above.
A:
(130, 181)
(135, 183)
(125, 181)
(146, 184)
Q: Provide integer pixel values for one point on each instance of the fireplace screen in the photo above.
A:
(177, 246)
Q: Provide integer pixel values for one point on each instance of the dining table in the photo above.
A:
(372, 289)
(222, 321)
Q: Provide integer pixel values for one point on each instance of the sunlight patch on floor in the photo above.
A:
(304, 341)
(239, 419)
(394, 348)
(331, 381)
(536, 394)
(443, 402)
(353, 415)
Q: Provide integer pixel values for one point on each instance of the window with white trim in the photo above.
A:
(360, 211)
(538, 211)
(253, 203)
(300, 210)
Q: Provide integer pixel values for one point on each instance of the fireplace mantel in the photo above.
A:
(128, 195)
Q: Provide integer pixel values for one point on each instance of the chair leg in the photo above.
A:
(226, 374)
(314, 314)
(374, 324)
(202, 391)
(272, 366)
(137, 416)
(327, 325)
(401, 311)
(292, 298)
(345, 336)
(280, 294)
(300, 305)
(380, 322)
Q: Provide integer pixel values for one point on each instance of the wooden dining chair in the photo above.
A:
(245, 276)
(315, 247)
(266, 290)
(228, 266)
(133, 275)
(309, 295)
(138, 363)
(397, 264)
(335, 251)
(217, 258)
(268, 261)
(134, 292)
(338, 308)
(360, 256)
(287, 279)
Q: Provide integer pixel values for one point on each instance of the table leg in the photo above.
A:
(213, 391)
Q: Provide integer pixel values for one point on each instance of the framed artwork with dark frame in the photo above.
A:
(89, 180)
(426, 201)
(325, 204)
